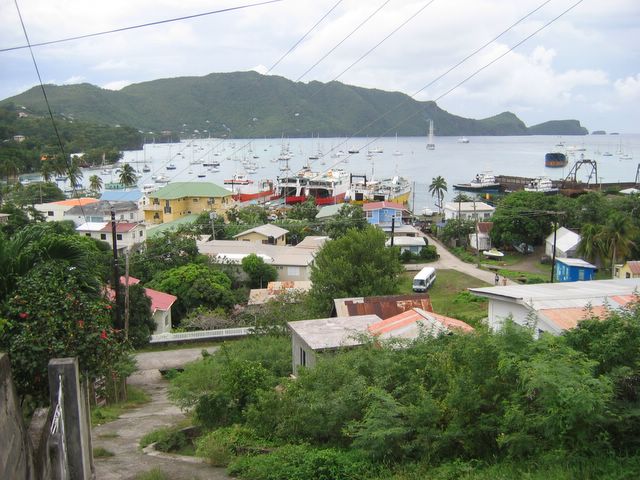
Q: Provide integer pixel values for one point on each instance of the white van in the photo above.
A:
(424, 279)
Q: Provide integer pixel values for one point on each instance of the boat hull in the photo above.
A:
(555, 160)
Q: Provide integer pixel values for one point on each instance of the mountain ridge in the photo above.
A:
(248, 104)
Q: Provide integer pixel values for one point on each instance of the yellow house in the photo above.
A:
(269, 234)
(631, 269)
(178, 199)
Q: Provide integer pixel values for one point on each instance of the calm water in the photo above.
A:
(456, 162)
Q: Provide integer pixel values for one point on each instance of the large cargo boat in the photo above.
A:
(555, 160)
(325, 188)
(484, 182)
(396, 190)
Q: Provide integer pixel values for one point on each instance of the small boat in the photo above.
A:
(105, 171)
(171, 166)
(353, 150)
(202, 175)
(607, 154)
(238, 179)
(61, 178)
(555, 160)
(463, 140)
(430, 142)
(626, 156)
(482, 182)
(148, 188)
(146, 168)
(213, 169)
(162, 179)
(493, 253)
(542, 185)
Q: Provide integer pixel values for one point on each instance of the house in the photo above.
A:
(260, 296)
(384, 213)
(566, 243)
(54, 211)
(269, 233)
(309, 338)
(161, 304)
(128, 235)
(631, 269)
(19, 138)
(555, 307)
(328, 211)
(411, 244)
(400, 230)
(384, 306)
(178, 199)
(100, 211)
(291, 263)
(480, 239)
(468, 211)
(574, 270)
(133, 195)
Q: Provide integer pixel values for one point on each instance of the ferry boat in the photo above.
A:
(396, 190)
(482, 182)
(326, 188)
(555, 160)
(542, 185)
(263, 192)
(238, 179)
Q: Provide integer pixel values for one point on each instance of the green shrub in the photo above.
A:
(221, 446)
(302, 462)
(429, 253)
(154, 474)
(100, 452)
(167, 439)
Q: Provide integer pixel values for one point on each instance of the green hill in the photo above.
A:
(247, 104)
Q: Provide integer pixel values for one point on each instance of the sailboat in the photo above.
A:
(397, 152)
(430, 144)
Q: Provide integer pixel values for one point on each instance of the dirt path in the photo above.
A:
(122, 436)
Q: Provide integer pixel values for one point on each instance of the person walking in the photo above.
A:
(497, 279)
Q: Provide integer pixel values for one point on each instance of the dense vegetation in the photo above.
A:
(247, 104)
(455, 406)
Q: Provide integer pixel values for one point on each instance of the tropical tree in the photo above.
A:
(258, 271)
(46, 171)
(617, 237)
(437, 188)
(128, 175)
(74, 172)
(95, 183)
(357, 264)
(349, 216)
(591, 247)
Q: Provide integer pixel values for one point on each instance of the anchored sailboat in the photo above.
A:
(430, 144)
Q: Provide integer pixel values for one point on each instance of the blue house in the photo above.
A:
(574, 270)
(382, 213)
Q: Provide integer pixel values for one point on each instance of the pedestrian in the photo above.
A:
(497, 279)
(504, 281)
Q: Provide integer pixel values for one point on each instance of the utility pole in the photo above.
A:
(126, 294)
(393, 228)
(475, 216)
(212, 217)
(116, 275)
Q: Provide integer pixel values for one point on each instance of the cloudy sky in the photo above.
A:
(585, 65)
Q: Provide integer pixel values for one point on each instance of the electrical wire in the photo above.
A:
(142, 25)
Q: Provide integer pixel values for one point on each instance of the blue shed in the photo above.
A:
(574, 270)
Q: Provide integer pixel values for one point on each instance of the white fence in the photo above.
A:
(201, 335)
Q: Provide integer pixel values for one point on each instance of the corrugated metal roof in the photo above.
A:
(268, 230)
(565, 239)
(190, 189)
(73, 202)
(328, 211)
(407, 242)
(367, 207)
(634, 266)
(332, 333)
(576, 262)
(383, 306)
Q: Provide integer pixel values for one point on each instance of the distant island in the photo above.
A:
(249, 105)
(598, 132)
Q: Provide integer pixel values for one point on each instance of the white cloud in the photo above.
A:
(260, 69)
(117, 84)
(111, 64)
(628, 88)
(74, 79)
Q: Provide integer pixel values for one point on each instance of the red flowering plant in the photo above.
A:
(52, 315)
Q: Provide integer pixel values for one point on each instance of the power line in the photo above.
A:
(344, 39)
(46, 99)
(142, 25)
(293, 47)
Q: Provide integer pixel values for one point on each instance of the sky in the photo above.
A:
(584, 66)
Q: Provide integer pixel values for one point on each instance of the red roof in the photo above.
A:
(634, 266)
(485, 227)
(120, 227)
(378, 205)
(159, 300)
(387, 306)
(406, 323)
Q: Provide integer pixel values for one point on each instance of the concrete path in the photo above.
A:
(449, 261)
(122, 436)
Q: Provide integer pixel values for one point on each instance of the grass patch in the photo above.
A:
(179, 346)
(508, 260)
(109, 413)
(154, 474)
(171, 439)
(100, 452)
(109, 435)
(524, 277)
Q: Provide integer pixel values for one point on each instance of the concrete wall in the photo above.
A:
(292, 273)
(16, 453)
(302, 355)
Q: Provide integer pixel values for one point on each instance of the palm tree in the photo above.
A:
(46, 170)
(617, 236)
(591, 247)
(95, 183)
(128, 175)
(74, 172)
(437, 188)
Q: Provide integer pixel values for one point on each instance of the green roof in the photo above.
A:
(190, 189)
(329, 211)
(154, 231)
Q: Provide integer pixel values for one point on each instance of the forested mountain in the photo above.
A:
(247, 104)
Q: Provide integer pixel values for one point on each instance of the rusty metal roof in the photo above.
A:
(383, 306)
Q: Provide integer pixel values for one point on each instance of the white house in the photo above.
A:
(412, 244)
(480, 239)
(100, 211)
(555, 307)
(312, 337)
(127, 234)
(566, 243)
(468, 211)
(54, 211)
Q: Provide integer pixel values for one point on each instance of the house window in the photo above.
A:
(195, 200)
(131, 216)
(118, 236)
(293, 271)
(303, 357)
(368, 214)
(581, 274)
(103, 236)
(140, 233)
(156, 201)
(627, 275)
(50, 213)
(87, 234)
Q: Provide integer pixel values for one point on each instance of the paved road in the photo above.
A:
(450, 262)
(122, 436)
